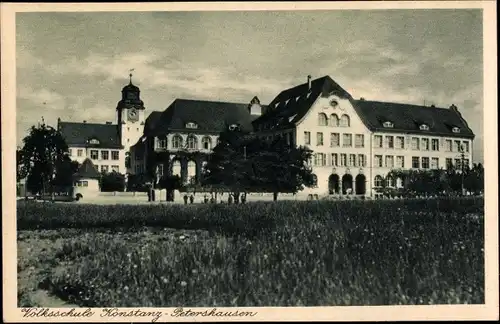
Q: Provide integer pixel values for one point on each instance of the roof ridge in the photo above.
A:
(400, 103)
(212, 101)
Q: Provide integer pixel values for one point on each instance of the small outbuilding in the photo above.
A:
(86, 180)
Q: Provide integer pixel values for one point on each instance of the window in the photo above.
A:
(389, 161)
(345, 121)
(319, 139)
(94, 154)
(456, 146)
(334, 139)
(347, 140)
(455, 130)
(104, 168)
(425, 144)
(191, 125)
(314, 180)
(378, 141)
(425, 163)
(115, 168)
(449, 163)
(466, 146)
(334, 120)
(378, 161)
(85, 183)
(424, 127)
(192, 142)
(400, 142)
(176, 141)
(161, 143)
(415, 143)
(435, 144)
(307, 138)
(320, 159)
(234, 127)
(343, 160)
(359, 140)
(361, 160)
(415, 162)
(352, 160)
(448, 146)
(79, 153)
(389, 141)
(206, 143)
(466, 163)
(105, 155)
(400, 161)
(388, 124)
(458, 164)
(379, 181)
(115, 155)
(435, 163)
(159, 170)
(335, 159)
(70, 152)
(322, 119)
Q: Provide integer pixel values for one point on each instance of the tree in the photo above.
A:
(44, 148)
(280, 167)
(243, 162)
(113, 181)
(64, 171)
(228, 167)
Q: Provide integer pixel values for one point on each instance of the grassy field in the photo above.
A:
(318, 253)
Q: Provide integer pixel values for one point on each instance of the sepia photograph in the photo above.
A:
(206, 163)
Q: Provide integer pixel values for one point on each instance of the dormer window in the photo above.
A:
(94, 141)
(388, 124)
(424, 127)
(234, 127)
(191, 125)
(455, 130)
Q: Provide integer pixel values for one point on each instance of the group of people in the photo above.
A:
(212, 199)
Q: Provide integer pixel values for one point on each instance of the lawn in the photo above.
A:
(315, 253)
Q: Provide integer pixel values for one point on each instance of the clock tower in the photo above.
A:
(130, 112)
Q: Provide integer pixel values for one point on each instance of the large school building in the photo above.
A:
(356, 142)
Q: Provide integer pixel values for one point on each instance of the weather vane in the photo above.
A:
(130, 74)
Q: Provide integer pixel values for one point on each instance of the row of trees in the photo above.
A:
(437, 182)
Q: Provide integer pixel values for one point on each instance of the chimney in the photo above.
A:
(433, 106)
(84, 121)
(362, 99)
(453, 107)
(108, 123)
(308, 83)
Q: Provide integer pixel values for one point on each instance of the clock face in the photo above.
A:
(133, 115)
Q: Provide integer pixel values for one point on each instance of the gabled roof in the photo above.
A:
(291, 105)
(209, 116)
(77, 134)
(87, 170)
(408, 118)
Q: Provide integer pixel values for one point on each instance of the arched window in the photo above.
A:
(191, 171)
(322, 119)
(206, 143)
(176, 168)
(334, 120)
(391, 182)
(176, 141)
(345, 121)
(379, 181)
(192, 142)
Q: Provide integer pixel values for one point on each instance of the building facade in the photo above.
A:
(355, 142)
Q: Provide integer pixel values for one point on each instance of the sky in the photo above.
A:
(74, 65)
